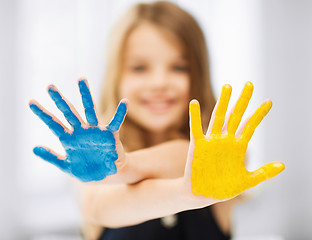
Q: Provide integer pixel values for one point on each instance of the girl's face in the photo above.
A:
(155, 78)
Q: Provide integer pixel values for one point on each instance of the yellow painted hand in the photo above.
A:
(218, 168)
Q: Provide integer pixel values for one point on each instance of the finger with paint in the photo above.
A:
(218, 169)
(90, 147)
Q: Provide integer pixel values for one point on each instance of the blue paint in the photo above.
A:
(119, 116)
(90, 151)
(88, 103)
(63, 106)
(56, 128)
(90, 154)
(47, 155)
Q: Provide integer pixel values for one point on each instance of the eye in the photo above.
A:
(139, 68)
(180, 68)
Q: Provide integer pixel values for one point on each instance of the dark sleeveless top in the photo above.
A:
(190, 225)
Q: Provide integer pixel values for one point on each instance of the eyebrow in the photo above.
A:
(143, 58)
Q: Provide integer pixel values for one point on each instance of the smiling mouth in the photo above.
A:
(158, 106)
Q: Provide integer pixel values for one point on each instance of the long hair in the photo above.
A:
(170, 17)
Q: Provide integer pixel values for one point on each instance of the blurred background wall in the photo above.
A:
(45, 41)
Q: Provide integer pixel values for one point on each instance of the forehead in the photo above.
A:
(149, 40)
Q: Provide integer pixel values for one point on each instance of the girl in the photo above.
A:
(158, 62)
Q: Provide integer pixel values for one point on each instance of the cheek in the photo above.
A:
(123, 90)
(183, 87)
(128, 88)
(131, 88)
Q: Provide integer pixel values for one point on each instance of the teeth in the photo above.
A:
(158, 105)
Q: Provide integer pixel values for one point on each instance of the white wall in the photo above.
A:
(285, 206)
(8, 132)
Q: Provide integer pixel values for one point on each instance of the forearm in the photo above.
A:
(166, 160)
(124, 205)
(128, 172)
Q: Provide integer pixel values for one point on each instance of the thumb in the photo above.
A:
(119, 116)
(266, 172)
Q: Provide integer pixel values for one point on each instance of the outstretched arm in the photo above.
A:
(166, 160)
(123, 205)
(214, 172)
(94, 151)
(218, 169)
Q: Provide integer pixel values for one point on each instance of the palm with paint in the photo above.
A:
(216, 161)
(92, 149)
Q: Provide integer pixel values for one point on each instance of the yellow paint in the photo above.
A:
(218, 169)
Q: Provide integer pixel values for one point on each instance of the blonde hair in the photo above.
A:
(172, 18)
(169, 17)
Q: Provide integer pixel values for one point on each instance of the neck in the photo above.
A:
(153, 138)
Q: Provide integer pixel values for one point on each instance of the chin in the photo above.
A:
(159, 126)
(156, 122)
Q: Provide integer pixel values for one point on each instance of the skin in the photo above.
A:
(157, 86)
(155, 80)
(90, 148)
(218, 169)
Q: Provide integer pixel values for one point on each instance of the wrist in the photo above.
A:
(189, 200)
(121, 163)
(129, 170)
(121, 175)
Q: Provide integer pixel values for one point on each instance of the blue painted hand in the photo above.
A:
(90, 147)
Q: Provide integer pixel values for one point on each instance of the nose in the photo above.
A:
(159, 79)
